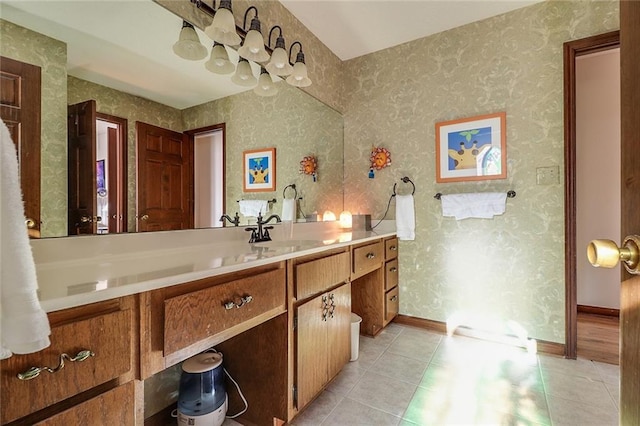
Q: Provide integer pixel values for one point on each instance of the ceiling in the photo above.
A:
(352, 28)
(102, 47)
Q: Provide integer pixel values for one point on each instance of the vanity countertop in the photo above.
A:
(87, 269)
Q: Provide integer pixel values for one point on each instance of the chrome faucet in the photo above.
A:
(235, 220)
(261, 233)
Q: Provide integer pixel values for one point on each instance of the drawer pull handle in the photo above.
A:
(394, 298)
(370, 255)
(34, 372)
(243, 301)
(393, 248)
(393, 269)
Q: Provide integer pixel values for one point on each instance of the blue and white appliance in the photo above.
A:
(202, 398)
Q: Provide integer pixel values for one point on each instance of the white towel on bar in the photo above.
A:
(405, 217)
(24, 326)
(482, 205)
(288, 209)
(254, 207)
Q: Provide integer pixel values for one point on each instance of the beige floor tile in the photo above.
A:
(318, 410)
(400, 367)
(351, 412)
(566, 412)
(386, 394)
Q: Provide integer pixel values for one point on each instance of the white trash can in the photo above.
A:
(355, 336)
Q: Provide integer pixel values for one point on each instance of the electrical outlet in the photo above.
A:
(547, 175)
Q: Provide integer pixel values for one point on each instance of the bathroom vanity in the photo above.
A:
(125, 308)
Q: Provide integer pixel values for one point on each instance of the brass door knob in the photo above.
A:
(30, 223)
(606, 253)
(144, 217)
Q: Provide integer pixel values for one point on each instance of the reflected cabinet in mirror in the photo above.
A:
(94, 177)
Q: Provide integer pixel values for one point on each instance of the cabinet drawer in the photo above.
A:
(391, 304)
(391, 274)
(367, 258)
(108, 336)
(391, 248)
(198, 315)
(316, 276)
(114, 407)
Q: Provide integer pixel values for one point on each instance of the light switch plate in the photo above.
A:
(547, 175)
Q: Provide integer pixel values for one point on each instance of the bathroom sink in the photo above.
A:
(289, 243)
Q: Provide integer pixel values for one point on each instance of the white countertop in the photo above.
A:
(86, 269)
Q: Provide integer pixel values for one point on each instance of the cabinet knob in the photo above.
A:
(243, 301)
(393, 248)
(370, 255)
(30, 223)
(394, 298)
(393, 269)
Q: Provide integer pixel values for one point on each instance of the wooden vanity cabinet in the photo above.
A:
(391, 298)
(321, 324)
(106, 329)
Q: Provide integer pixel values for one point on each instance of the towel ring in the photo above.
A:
(295, 191)
(405, 180)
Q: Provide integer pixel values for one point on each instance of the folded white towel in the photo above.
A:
(24, 326)
(482, 205)
(405, 217)
(288, 209)
(254, 207)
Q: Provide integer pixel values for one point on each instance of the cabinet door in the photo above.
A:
(339, 329)
(311, 348)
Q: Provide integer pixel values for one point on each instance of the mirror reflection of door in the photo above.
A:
(20, 85)
(209, 172)
(96, 171)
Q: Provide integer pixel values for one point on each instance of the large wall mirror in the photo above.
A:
(149, 84)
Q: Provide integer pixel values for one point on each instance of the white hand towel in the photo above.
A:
(482, 205)
(405, 217)
(24, 326)
(253, 207)
(288, 209)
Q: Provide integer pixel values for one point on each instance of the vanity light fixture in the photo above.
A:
(188, 45)
(223, 26)
(266, 86)
(346, 220)
(253, 46)
(244, 75)
(298, 77)
(219, 62)
(328, 216)
(279, 63)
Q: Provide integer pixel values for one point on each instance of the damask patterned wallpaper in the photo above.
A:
(510, 268)
(51, 56)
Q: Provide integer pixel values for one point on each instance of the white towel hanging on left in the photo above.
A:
(24, 326)
(405, 217)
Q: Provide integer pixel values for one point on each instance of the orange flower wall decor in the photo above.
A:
(380, 158)
(308, 166)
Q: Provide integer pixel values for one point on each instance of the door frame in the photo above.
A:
(573, 49)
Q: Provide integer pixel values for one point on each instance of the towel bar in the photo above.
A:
(510, 194)
(405, 180)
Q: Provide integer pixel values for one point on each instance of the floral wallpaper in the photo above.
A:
(482, 271)
(51, 56)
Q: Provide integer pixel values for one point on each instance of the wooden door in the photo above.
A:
(20, 85)
(164, 179)
(630, 221)
(339, 332)
(81, 127)
(312, 346)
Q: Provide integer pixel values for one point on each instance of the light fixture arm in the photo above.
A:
(299, 56)
(255, 21)
(279, 39)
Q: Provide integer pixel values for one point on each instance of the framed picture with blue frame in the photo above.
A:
(259, 170)
(473, 148)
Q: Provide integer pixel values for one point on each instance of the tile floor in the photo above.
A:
(407, 376)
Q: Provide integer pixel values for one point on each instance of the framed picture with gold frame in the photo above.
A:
(473, 148)
(259, 170)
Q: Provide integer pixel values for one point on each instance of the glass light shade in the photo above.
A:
(279, 63)
(244, 75)
(346, 220)
(298, 77)
(219, 62)
(328, 216)
(266, 86)
(223, 28)
(188, 45)
(253, 47)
